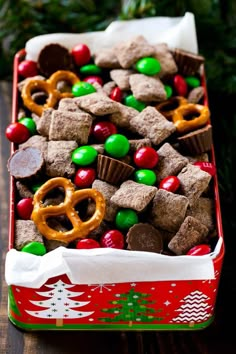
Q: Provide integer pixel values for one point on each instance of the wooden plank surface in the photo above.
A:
(217, 338)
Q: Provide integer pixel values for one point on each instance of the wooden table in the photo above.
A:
(216, 339)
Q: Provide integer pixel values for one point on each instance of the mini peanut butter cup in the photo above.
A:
(144, 237)
(188, 63)
(198, 141)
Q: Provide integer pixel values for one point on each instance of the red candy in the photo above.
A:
(199, 250)
(206, 166)
(93, 79)
(87, 243)
(116, 94)
(17, 133)
(27, 68)
(180, 85)
(24, 208)
(102, 130)
(112, 239)
(146, 157)
(170, 184)
(84, 177)
(81, 54)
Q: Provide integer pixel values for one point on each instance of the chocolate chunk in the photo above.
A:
(144, 237)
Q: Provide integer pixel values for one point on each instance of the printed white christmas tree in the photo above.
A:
(59, 305)
(193, 309)
(131, 307)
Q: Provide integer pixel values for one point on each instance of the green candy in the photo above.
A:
(117, 145)
(82, 88)
(169, 91)
(148, 66)
(35, 187)
(126, 218)
(192, 81)
(131, 101)
(36, 248)
(29, 123)
(90, 69)
(84, 155)
(145, 176)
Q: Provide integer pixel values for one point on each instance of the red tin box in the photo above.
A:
(136, 305)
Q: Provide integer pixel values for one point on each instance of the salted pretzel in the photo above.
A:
(190, 116)
(48, 86)
(167, 107)
(80, 228)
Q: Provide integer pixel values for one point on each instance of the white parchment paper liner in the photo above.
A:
(106, 265)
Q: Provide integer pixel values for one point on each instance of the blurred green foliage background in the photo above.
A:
(216, 30)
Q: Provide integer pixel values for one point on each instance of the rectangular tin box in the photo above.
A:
(146, 305)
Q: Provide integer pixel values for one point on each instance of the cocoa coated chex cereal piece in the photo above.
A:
(108, 87)
(44, 122)
(136, 144)
(97, 103)
(153, 125)
(147, 88)
(196, 94)
(122, 117)
(170, 162)
(166, 59)
(26, 232)
(37, 141)
(128, 52)
(107, 190)
(58, 161)
(121, 78)
(106, 58)
(193, 182)
(68, 104)
(204, 211)
(24, 190)
(191, 233)
(134, 195)
(70, 126)
(168, 210)
(144, 237)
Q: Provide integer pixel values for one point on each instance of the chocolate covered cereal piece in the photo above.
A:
(204, 211)
(44, 122)
(26, 232)
(191, 233)
(121, 78)
(196, 94)
(128, 52)
(37, 141)
(168, 210)
(23, 190)
(170, 162)
(68, 104)
(166, 60)
(108, 87)
(153, 125)
(136, 144)
(70, 126)
(144, 237)
(193, 182)
(106, 58)
(122, 117)
(147, 88)
(97, 103)
(58, 161)
(134, 195)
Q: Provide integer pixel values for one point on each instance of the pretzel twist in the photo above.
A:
(190, 116)
(48, 86)
(167, 107)
(80, 228)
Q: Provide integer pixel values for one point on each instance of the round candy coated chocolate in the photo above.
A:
(125, 218)
(35, 187)
(102, 130)
(27, 68)
(117, 145)
(180, 85)
(82, 88)
(145, 176)
(199, 250)
(36, 248)
(84, 177)
(170, 183)
(17, 133)
(87, 243)
(81, 54)
(116, 94)
(112, 239)
(90, 69)
(148, 66)
(84, 155)
(206, 166)
(192, 81)
(29, 123)
(168, 90)
(131, 101)
(146, 157)
(24, 208)
(93, 79)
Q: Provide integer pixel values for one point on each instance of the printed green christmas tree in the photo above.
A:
(131, 307)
